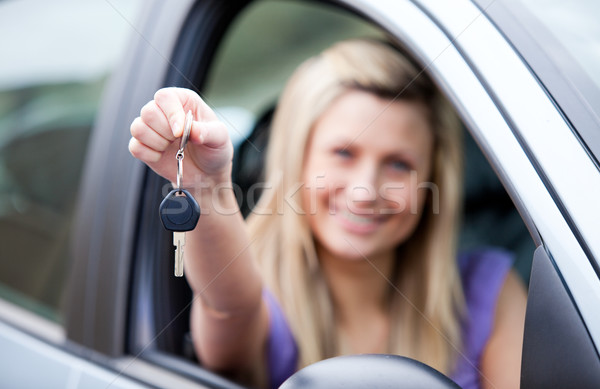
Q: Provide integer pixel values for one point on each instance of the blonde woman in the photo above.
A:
(352, 246)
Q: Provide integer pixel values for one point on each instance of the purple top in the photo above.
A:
(482, 272)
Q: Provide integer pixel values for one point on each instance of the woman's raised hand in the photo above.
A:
(156, 135)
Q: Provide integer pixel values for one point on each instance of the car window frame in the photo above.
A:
(148, 234)
(163, 245)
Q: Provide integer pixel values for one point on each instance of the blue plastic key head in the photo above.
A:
(179, 211)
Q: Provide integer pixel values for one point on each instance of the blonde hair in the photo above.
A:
(427, 300)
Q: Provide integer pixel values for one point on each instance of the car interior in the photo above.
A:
(246, 100)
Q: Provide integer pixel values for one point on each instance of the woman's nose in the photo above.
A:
(362, 187)
(363, 192)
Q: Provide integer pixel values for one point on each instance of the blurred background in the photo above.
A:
(55, 59)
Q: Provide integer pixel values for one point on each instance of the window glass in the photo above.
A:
(575, 25)
(560, 40)
(57, 57)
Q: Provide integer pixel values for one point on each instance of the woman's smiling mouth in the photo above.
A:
(359, 224)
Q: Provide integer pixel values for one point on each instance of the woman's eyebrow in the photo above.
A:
(343, 141)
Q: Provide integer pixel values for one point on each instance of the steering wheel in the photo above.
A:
(376, 371)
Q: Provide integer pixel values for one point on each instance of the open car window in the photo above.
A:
(241, 80)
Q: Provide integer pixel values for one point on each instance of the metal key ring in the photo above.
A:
(179, 170)
(187, 128)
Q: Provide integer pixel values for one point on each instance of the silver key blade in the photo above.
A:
(179, 243)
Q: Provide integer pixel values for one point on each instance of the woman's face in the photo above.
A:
(366, 170)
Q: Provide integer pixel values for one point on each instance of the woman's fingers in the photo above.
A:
(148, 136)
(153, 117)
(157, 131)
(143, 152)
(212, 151)
(174, 102)
(211, 134)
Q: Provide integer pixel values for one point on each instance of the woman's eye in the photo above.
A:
(399, 165)
(344, 153)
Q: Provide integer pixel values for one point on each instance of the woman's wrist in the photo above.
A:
(218, 197)
(216, 193)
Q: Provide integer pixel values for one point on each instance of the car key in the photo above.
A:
(179, 212)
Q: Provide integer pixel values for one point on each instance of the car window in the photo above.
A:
(571, 31)
(57, 58)
(242, 84)
(575, 27)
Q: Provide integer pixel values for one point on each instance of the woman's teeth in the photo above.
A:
(358, 219)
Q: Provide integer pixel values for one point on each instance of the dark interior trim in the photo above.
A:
(558, 351)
